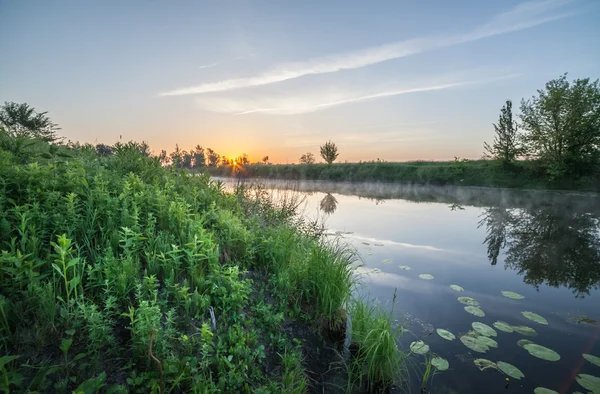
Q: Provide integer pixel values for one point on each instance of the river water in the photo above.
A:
(544, 246)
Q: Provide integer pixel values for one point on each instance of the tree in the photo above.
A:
(505, 146)
(265, 160)
(562, 125)
(163, 157)
(22, 121)
(213, 157)
(329, 152)
(199, 157)
(307, 158)
(176, 157)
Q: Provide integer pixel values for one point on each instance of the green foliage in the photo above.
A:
(506, 140)
(329, 152)
(22, 121)
(116, 269)
(562, 126)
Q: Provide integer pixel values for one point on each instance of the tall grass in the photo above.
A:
(376, 362)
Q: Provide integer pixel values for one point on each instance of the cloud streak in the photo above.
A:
(523, 16)
(304, 104)
(210, 65)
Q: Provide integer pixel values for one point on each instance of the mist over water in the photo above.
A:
(542, 245)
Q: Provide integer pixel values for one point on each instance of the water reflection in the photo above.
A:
(328, 204)
(547, 245)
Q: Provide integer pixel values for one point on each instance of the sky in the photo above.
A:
(392, 80)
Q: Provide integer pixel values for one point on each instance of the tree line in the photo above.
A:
(559, 127)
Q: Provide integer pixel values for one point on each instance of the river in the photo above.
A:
(543, 246)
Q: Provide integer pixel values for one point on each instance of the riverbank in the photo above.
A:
(487, 173)
(120, 275)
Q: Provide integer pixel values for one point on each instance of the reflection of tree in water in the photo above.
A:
(547, 245)
(329, 204)
(496, 221)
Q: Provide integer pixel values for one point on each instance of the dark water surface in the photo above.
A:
(542, 245)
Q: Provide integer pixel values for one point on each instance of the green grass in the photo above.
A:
(377, 362)
(521, 174)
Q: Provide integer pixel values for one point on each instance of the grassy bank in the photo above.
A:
(489, 173)
(119, 275)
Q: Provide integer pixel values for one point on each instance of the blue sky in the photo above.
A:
(397, 80)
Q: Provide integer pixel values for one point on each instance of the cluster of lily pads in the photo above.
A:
(480, 340)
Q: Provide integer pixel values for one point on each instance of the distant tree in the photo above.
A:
(186, 159)
(176, 158)
(265, 160)
(506, 141)
(329, 152)
(244, 159)
(199, 157)
(307, 158)
(104, 150)
(213, 157)
(562, 125)
(164, 157)
(22, 121)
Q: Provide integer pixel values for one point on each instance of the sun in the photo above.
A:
(235, 163)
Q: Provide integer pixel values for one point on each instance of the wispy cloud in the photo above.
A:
(299, 104)
(523, 16)
(210, 65)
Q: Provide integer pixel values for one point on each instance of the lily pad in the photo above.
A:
(593, 359)
(404, 267)
(445, 334)
(387, 261)
(456, 288)
(484, 364)
(502, 326)
(583, 320)
(474, 344)
(523, 342)
(419, 347)
(487, 341)
(375, 270)
(589, 382)
(468, 301)
(426, 276)
(439, 363)
(542, 352)
(510, 370)
(513, 295)
(484, 329)
(535, 317)
(473, 310)
(543, 390)
(524, 330)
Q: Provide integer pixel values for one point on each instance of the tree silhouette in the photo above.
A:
(22, 121)
(307, 158)
(329, 152)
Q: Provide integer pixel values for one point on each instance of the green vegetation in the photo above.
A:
(378, 362)
(329, 152)
(119, 274)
